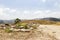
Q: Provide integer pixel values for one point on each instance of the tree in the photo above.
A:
(17, 20)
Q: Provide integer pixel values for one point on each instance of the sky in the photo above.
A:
(29, 9)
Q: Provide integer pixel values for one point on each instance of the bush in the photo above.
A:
(22, 25)
(26, 27)
(17, 26)
(17, 20)
(8, 30)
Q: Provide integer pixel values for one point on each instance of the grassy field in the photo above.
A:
(42, 22)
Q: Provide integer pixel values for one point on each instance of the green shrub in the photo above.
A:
(17, 20)
(17, 26)
(8, 30)
(26, 27)
(22, 26)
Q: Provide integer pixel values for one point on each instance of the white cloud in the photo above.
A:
(56, 3)
(12, 10)
(47, 11)
(44, 1)
(4, 13)
(38, 11)
(8, 13)
(26, 11)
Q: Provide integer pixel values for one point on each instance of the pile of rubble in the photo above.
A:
(29, 27)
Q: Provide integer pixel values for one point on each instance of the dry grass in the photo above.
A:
(32, 35)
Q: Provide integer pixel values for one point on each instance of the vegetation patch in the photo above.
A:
(8, 30)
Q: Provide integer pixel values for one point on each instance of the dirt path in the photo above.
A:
(40, 35)
(52, 30)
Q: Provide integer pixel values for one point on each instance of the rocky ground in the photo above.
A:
(44, 32)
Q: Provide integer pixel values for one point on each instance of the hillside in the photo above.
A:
(48, 20)
(51, 19)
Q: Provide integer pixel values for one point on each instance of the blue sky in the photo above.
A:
(29, 9)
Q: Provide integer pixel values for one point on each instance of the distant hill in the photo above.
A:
(48, 18)
(1, 22)
(51, 19)
(38, 19)
(6, 21)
